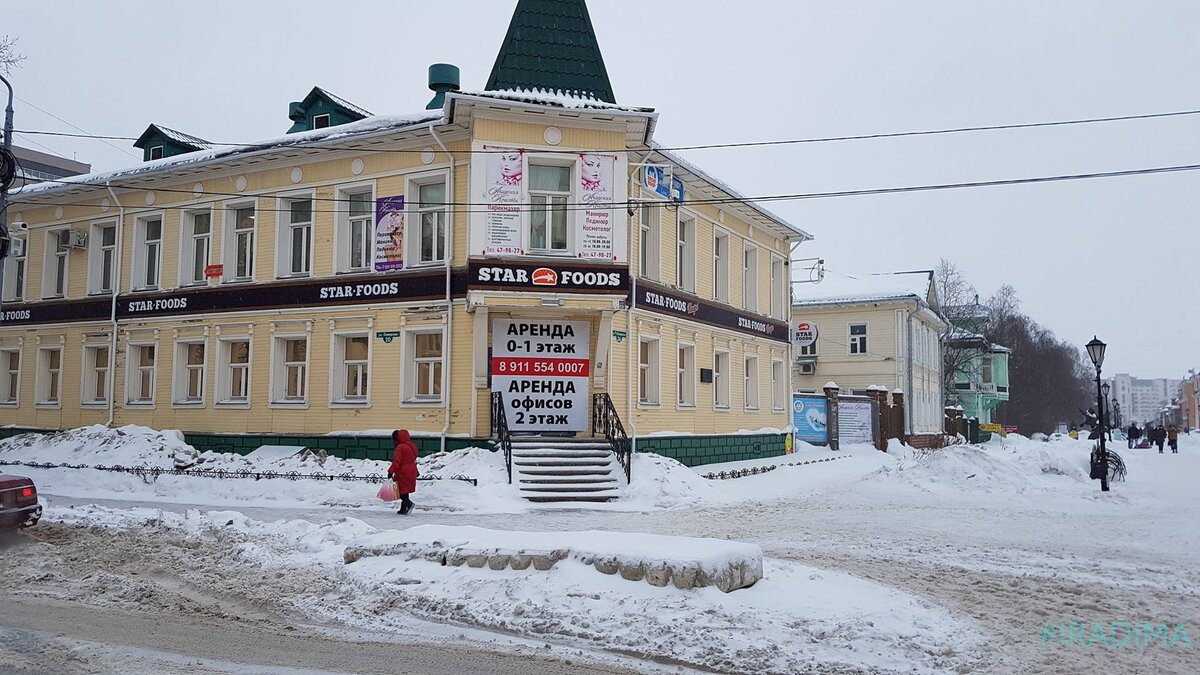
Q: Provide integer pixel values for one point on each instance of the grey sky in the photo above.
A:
(751, 70)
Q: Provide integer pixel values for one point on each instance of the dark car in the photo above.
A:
(18, 502)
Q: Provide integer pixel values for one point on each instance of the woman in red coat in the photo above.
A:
(404, 468)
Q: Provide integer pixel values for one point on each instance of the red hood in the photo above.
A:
(401, 436)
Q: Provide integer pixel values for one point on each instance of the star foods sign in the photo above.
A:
(560, 277)
(804, 334)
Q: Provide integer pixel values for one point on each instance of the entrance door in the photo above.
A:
(543, 369)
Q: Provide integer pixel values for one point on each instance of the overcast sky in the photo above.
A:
(1116, 257)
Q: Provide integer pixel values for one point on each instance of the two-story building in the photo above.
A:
(382, 271)
(876, 330)
(977, 367)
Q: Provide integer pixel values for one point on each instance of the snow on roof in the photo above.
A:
(186, 139)
(364, 127)
(836, 289)
(344, 103)
(564, 99)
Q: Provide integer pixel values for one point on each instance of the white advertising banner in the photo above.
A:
(856, 423)
(596, 194)
(543, 370)
(502, 194)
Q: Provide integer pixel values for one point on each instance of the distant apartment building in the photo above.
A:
(1141, 400)
(38, 167)
(1189, 400)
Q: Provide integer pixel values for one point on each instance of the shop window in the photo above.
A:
(750, 278)
(239, 243)
(779, 385)
(190, 366)
(648, 371)
(750, 382)
(95, 375)
(721, 379)
(858, 338)
(49, 384)
(14, 270)
(197, 245)
(102, 252)
(425, 377)
(686, 376)
(10, 372)
(649, 236)
(290, 372)
(721, 267)
(147, 259)
(351, 368)
(54, 269)
(356, 231)
(549, 193)
(685, 276)
(233, 375)
(432, 217)
(294, 247)
(142, 374)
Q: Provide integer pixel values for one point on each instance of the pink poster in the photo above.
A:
(505, 180)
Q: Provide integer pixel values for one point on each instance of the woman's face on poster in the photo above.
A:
(591, 168)
(510, 164)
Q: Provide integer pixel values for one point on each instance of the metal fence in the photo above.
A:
(151, 473)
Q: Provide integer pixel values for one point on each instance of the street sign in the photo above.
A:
(387, 335)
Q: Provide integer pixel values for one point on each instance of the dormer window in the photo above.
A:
(320, 121)
(156, 152)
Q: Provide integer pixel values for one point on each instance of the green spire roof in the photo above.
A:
(550, 45)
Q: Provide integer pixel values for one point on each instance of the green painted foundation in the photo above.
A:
(697, 450)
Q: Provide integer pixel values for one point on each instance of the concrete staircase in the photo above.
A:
(565, 469)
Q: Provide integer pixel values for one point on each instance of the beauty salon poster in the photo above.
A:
(505, 181)
(389, 234)
(596, 195)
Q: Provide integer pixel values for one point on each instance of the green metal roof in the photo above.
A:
(550, 45)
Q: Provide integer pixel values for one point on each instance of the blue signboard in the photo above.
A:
(809, 417)
(655, 181)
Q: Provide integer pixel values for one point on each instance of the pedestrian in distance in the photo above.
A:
(1160, 437)
(404, 468)
(1131, 435)
(1173, 438)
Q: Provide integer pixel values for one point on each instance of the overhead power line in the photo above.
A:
(577, 206)
(85, 133)
(705, 146)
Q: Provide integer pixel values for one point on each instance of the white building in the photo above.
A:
(1141, 399)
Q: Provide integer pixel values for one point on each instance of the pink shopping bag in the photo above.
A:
(387, 492)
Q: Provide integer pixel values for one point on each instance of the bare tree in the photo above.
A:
(9, 57)
(964, 335)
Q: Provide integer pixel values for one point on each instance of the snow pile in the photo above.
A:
(126, 446)
(663, 483)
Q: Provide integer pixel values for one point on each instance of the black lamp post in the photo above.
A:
(1095, 350)
(1104, 389)
(1116, 406)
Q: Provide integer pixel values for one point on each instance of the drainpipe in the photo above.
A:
(910, 402)
(448, 348)
(116, 290)
(629, 394)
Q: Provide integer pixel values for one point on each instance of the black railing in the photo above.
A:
(605, 420)
(500, 430)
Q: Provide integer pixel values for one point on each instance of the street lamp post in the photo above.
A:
(1104, 388)
(1095, 350)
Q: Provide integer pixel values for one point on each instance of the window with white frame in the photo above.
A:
(356, 239)
(49, 380)
(857, 338)
(102, 254)
(191, 360)
(147, 257)
(750, 277)
(239, 242)
(685, 276)
(351, 370)
(320, 121)
(141, 380)
(10, 371)
(295, 238)
(54, 269)
(721, 379)
(750, 389)
(197, 247)
(648, 371)
(778, 297)
(778, 385)
(721, 267)
(290, 377)
(549, 193)
(649, 236)
(14, 270)
(431, 217)
(156, 152)
(425, 377)
(95, 375)
(233, 375)
(685, 381)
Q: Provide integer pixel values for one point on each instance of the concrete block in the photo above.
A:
(498, 561)
(520, 562)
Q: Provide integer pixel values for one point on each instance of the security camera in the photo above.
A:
(19, 225)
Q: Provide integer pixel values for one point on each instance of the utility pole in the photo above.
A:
(5, 237)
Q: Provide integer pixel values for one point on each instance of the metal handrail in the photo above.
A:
(605, 419)
(500, 430)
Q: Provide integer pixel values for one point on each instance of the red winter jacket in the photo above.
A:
(404, 463)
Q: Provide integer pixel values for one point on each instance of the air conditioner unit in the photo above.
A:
(806, 367)
(73, 238)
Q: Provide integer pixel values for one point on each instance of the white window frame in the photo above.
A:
(417, 212)
(568, 196)
(229, 237)
(284, 232)
(778, 298)
(10, 377)
(279, 370)
(183, 370)
(161, 152)
(45, 377)
(649, 240)
(852, 340)
(188, 244)
(685, 253)
(133, 373)
(97, 253)
(51, 259)
(338, 397)
(141, 253)
(89, 377)
(750, 382)
(721, 380)
(16, 270)
(779, 382)
(223, 395)
(685, 375)
(408, 390)
(750, 277)
(344, 229)
(721, 241)
(328, 121)
(650, 373)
